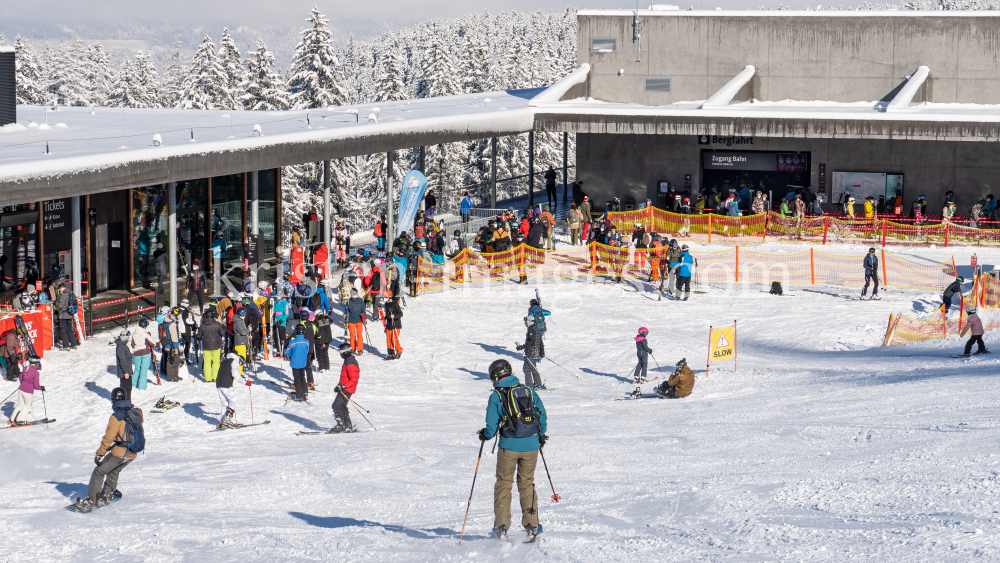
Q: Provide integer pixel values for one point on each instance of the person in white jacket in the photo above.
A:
(142, 352)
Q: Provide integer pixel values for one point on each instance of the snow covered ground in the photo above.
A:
(821, 447)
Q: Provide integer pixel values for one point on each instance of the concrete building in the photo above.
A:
(820, 100)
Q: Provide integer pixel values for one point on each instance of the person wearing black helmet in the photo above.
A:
(124, 362)
(114, 453)
(517, 414)
(298, 357)
(679, 384)
(871, 274)
(952, 289)
(350, 373)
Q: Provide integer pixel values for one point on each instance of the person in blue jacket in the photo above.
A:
(466, 209)
(518, 415)
(298, 357)
(686, 265)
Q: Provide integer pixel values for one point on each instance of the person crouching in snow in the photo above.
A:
(229, 369)
(975, 326)
(679, 385)
(642, 352)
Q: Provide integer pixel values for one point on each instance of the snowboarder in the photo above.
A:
(142, 354)
(974, 325)
(124, 362)
(534, 350)
(348, 386)
(642, 352)
(230, 367)
(679, 385)
(871, 274)
(26, 392)
(393, 324)
(356, 321)
(114, 452)
(298, 356)
(516, 413)
(952, 289)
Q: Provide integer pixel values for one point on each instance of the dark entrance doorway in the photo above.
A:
(775, 172)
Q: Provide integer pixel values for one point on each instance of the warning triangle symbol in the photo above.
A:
(722, 341)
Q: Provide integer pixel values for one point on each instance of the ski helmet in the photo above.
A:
(345, 349)
(37, 362)
(673, 242)
(262, 285)
(164, 310)
(960, 279)
(871, 251)
(684, 247)
(533, 302)
(500, 369)
(682, 363)
(458, 233)
(143, 323)
(299, 330)
(241, 312)
(185, 303)
(117, 394)
(643, 331)
(971, 310)
(176, 310)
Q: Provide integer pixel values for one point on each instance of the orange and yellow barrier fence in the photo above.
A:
(903, 329)
(749, 229)
(729, 265)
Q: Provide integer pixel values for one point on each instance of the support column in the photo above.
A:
(531, 168)
(327, 215)
(75, 246)
(254, 194)
(172, 240)
(390, 232)
(420, 160)
(565, 166)
(493, 173)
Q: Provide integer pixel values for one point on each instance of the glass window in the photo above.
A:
(191, 194)
(603, 44)
(227, 197)
(149, 229)
(266, 193)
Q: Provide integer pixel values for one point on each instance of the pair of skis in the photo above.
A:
(238, 426)
(32, 423)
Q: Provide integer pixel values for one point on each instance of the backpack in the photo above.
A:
(520, 420)
(73, 305)
(775, 288)
(133, 437)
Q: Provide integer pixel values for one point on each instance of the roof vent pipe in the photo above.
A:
(725, 95)
(257, 131)
(157, 140)
(906, 93)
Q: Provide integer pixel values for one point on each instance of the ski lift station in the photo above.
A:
(835, 102)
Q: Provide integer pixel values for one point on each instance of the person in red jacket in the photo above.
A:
(349, 375)
(375, 282)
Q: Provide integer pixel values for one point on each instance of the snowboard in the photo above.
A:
(238, 426)
(970, 355)
(631, 398)
(32, 423)
(115, 497)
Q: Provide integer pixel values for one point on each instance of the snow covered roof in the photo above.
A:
(77, 150)
(6, 48)
(798, 13)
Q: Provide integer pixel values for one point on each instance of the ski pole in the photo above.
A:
(658, 368)
(562, 368)
(44, 406)
(555, 497)
(474, 476)
(368, 337)
(9, 396)
(495, 440)
(250, 386)
(358, 409)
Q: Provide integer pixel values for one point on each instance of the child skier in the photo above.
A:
(26, 392)
(229, 368)
(975, 326)
(642, 352)
(679, 385)
(393, 324)
(538, 315)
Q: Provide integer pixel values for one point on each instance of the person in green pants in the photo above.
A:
(212, 334)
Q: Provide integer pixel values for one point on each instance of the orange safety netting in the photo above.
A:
(903, 329)
(730, 265)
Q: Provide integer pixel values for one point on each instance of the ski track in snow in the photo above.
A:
(821, 447)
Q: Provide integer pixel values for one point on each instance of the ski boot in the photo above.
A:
(980, 352)
(533, 532)
(876, 297)
(84, 504)
(499, 533)
(637, 394)
(389, 356)
(338, 429)
(963, 355)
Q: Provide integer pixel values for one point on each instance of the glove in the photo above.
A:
(542, 355)
(482, 435)
(542, 439)
(43, 388)
(249, 383)
(339, 388)
(97, 459)
(519, 347)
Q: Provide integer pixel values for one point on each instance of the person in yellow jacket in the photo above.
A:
(114, 453)
(849, 207)
(869, 208)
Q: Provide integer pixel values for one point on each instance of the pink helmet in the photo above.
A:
(643, 330)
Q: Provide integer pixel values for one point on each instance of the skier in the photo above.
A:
(228, 370)
(955, 287)
(393, 324)
(355, 322)
(324, 337)
(279, 317)
(679, 385)
(241, 334)
(186, 328)
(518, 415)
(142, 353)
(685, 264)
(26, 392)
(113, 454)
(534, 350)
(975, 326)
(124, 362)
(673, 257)
(871, 274)
(212, 334)
(349, 375)
(642, 351)
(538, 315)
(298, 356)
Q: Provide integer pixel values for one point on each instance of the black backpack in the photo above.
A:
(520, 420)
(775, 288)
(133, 437)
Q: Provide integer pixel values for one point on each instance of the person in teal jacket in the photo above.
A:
(686, 263)
(520, 440)
(279, 316)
